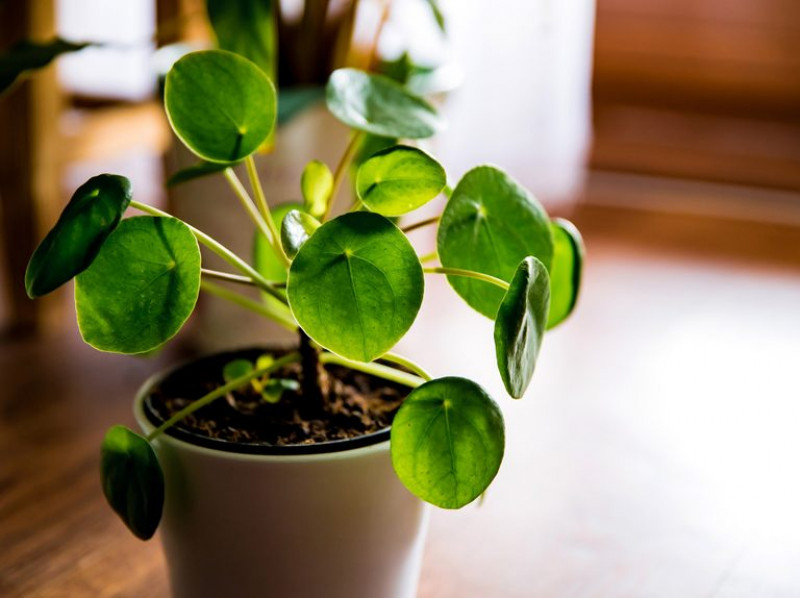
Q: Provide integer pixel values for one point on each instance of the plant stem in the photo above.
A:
(222, 391)
(376, 369)
(252, 173)
(284, 319)
(311, 372)
(429, 257)
(255, 215)
(416, 225)
(341, 168)
(406, 363)
(469, 274)
(222, 251)
(227, 277)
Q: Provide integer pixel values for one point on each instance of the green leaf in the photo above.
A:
(438, 15)
(447, 442)
(376, 104)
(27, 55)
(70, 247)
(520, 325)
(132, 480)
(317, 186)
(356, 285)
(196, 171)
(247, 28)
(490, 224)
(293, 101)
(236, 369)
(566, 271)
(141, 288)
(398, 180)
(222, 106)
(296, 229)
(274, 389)
(264, 259)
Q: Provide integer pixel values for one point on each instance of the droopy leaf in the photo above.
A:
(27, 55)
(317, 186)
(70, 247)
(376, 104)
(566, 271)
(296, 229)
(490, 224)
(132, 480)
(222, 106)
(247, 28)
(447, 442)
(141, 287)
(356, 285)
(398, 180)
(196, 171)
(520, 324)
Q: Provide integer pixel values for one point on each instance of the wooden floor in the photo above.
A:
(655, 455)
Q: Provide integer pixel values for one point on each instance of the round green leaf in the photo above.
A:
(296, 228)
(132, 480)
(447, 442)
(519, 326)
(398, 180)
(222, 106)
(376, 104)
(566, 271)
(356, 285)
(490, 224)
(70, 247)
(236, 369)
(264, 259)
(142, 286)
(317, 187)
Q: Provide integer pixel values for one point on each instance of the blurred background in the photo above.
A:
(657, 452)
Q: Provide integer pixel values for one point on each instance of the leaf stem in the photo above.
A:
(341, 168)
(376, 369)
(227, 277)
(429, 257)
(469, 274)
(221, 392)
(420, 224)
(222, 251)
(252, 173)
(406, 363)
(284, 319)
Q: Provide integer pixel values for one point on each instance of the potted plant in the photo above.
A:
(306, 471)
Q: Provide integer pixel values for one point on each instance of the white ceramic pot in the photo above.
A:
(332, 523)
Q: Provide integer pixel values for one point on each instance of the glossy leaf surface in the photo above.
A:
(356, 285)
(70, 247)
(566, 271)
(316, 184)
(264, 259)
(376, 104)
(490, 224)
(447, 442)
(141, 287)
(296, 228)
(520, 324)
(133, 483)
(220, 105)
(398, 180)
(27, 55)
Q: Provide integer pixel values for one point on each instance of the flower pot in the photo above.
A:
(328, 519)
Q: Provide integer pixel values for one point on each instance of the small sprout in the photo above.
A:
(317, 187)
(273, 390)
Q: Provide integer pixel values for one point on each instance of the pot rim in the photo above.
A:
(335, 449)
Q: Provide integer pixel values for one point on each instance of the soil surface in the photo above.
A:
(357, 404)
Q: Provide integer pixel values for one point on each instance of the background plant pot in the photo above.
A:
(334, 524)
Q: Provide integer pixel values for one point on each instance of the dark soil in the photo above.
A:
(357, 404)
